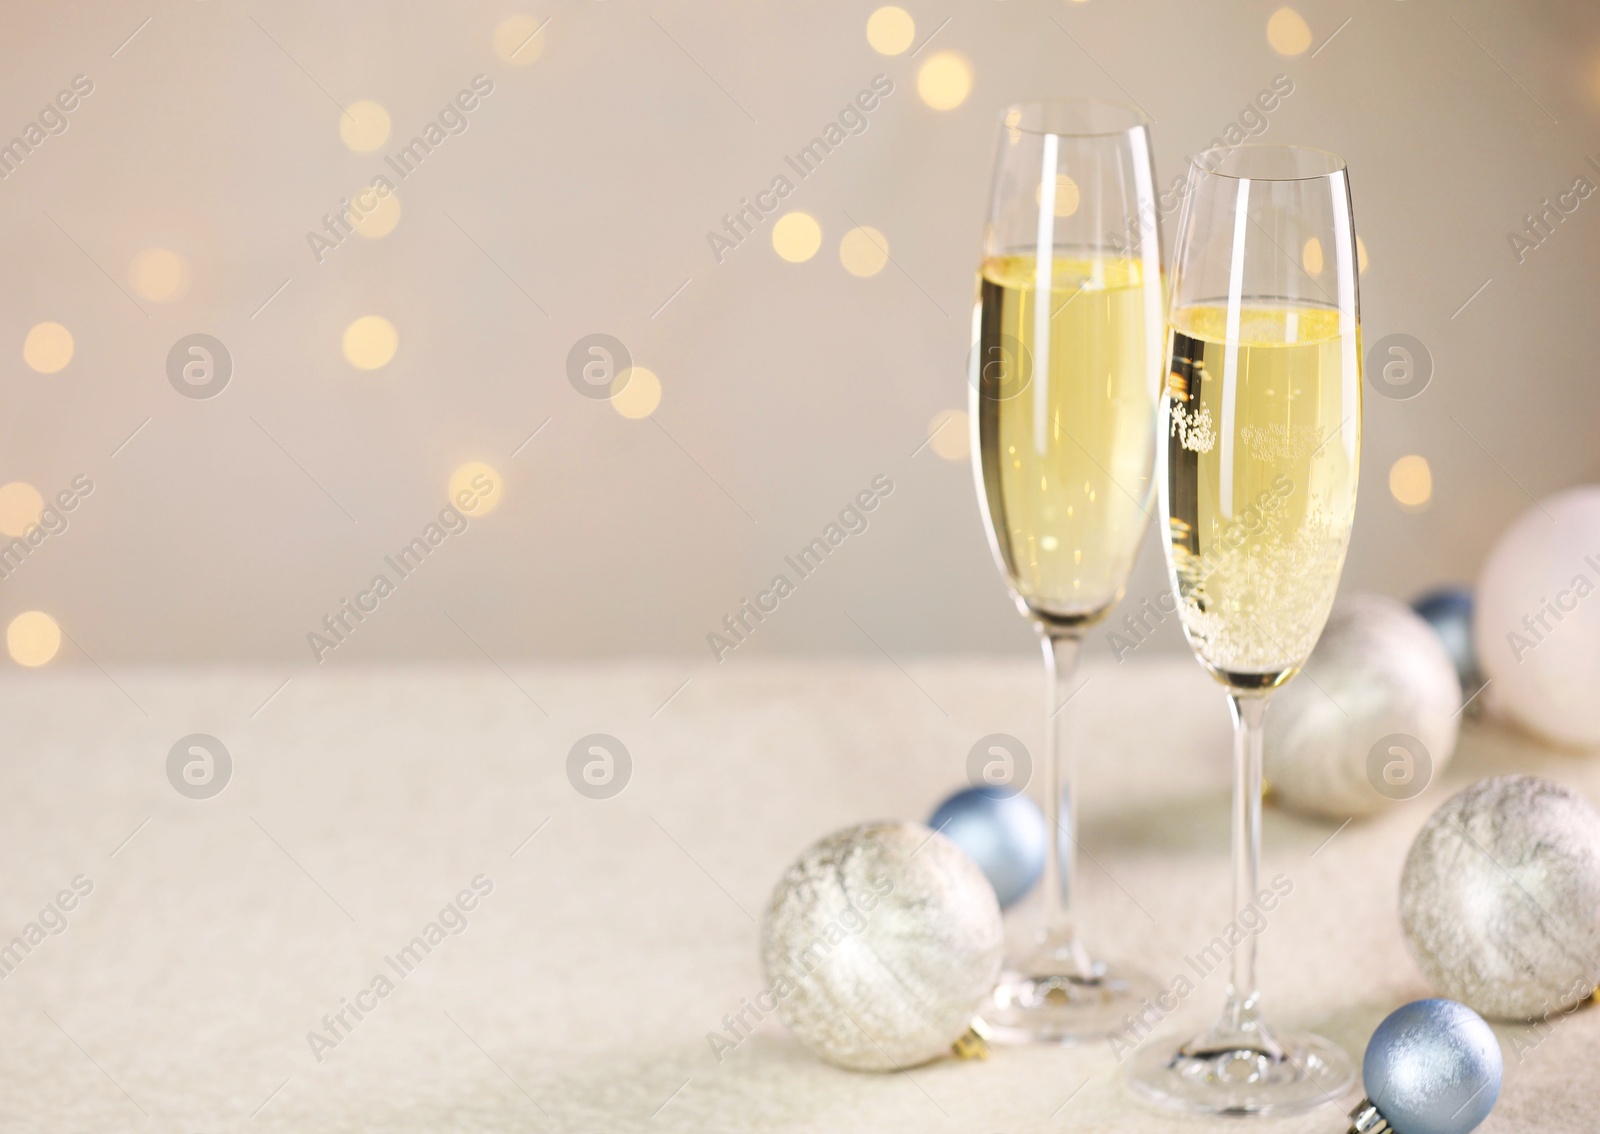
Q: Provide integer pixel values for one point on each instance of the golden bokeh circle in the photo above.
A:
(1311, 256)
(159, 275)
(364, 126)
(20, 508)
(890, 30)
(370, 342)
(945, 80)
(637, 393)
(379, 219)
(864, 251)
(950, 434)
(480, 485)
(515, 41)
(47, 348)
(1411, 482)
(33, 638)
(1288, 32)
(796, 237)
(1067, 195)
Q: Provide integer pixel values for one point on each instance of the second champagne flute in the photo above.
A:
(1065, 376)
(1261, 446)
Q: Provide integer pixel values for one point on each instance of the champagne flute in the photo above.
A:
(1260, 447)
(1065, 379)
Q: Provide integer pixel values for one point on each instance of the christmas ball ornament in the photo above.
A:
(1432, 1067)
(1449, 611)
(879, 943)
(1003, 831)
(1500, 898)
(1372, 718)
(1537, 625)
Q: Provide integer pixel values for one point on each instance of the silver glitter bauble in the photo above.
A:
(1371, 719)
(1500, 898)
(879, 943)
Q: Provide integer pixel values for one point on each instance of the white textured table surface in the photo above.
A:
(581, 991)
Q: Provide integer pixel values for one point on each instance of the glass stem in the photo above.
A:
(1059, 931)
(1249, 711)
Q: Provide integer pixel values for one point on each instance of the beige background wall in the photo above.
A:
(578, 200)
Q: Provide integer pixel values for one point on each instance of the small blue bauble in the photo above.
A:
(1449, 611)
(1433, 1067)
(1003, 831)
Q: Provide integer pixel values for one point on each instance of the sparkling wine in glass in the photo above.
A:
(1260, 441)
(1065, 381)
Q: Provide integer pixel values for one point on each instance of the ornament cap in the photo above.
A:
(1367, 1119)
(973, 1043)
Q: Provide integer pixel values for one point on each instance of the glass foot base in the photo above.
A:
(1041, 1003)
(1248, 1071)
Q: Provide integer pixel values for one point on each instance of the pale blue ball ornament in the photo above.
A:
(1000, 829)
(1432, 1067)
(1449, 611)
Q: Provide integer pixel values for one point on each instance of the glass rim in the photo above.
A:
(1136, 118)
(1333, 163)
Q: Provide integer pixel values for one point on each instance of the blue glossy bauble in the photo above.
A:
(1433, 1067)
(1449, 611)
(1003, 831)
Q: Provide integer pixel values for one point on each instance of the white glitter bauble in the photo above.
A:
(879, 943)
(1500, 898)
(1371, 719)
(1537, 624)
